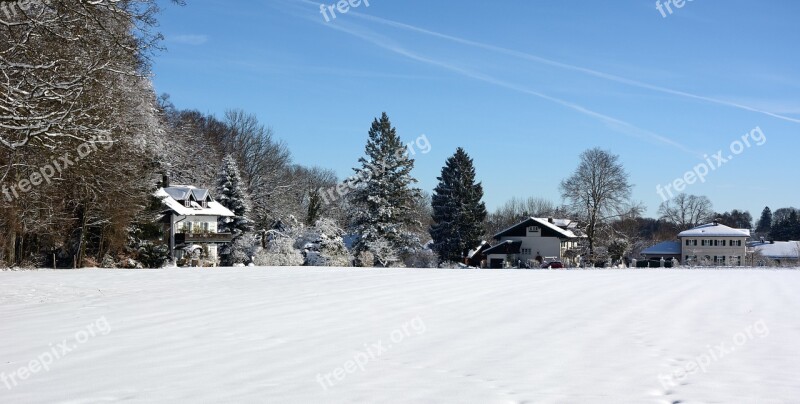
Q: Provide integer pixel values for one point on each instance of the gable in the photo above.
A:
(546, 229)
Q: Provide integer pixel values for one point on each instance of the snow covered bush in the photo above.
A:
(108, 262)
(280, 252)
(244, 249)
(365, 259)
(323, 245)
(384, 253)
(421, 258)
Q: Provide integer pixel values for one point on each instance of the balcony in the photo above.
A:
(188, 238)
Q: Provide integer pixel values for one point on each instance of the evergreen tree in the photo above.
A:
(765, 223)
(383, 197)
(787, 229)
(458, 212)
(231, 194)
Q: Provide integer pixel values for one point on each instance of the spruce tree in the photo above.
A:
(383, 196)
(765, 223)
(787, 229)
(458, 212)
(231, 194)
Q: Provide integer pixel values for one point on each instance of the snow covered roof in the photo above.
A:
(778, 250)
(481, 247)
(715, 230)
(664, 248)
(174, 198)
(542, 222)
(182, 193)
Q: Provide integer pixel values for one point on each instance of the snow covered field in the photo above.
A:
(349, 335)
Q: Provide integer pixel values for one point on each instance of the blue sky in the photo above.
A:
(523, 86)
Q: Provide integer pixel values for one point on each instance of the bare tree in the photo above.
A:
(54, 53)
(597, 192)
(266, 166)
(515, 210)
(687, 211)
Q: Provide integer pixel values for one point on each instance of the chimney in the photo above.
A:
(551, 220)
(165, 180)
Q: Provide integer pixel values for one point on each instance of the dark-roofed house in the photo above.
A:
(667, 250)
(191, 218)
(476, 257)
(532, 241)
(505, 254)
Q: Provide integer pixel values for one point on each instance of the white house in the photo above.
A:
(191, 221)
(532, 241)
(714, 244)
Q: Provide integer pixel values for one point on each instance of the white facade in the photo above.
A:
(537, 240)
(193, 218)
(714, 244)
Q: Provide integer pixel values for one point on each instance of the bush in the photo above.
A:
(423, 258)
(108, 262)
(323, 245)
(153, 255)
(279, 253)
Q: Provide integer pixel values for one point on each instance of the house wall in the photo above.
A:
(491, 258)
(198, 224)
(733, 254)
(544, 246)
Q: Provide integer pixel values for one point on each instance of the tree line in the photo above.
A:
(85, 142)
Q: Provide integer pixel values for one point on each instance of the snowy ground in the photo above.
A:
(461, 336)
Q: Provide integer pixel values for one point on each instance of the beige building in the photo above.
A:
(714, 244)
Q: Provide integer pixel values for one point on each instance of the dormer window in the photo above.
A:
(187, 203)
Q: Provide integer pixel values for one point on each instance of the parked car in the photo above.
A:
(553, 265)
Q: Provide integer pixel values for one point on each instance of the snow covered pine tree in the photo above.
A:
(383, 197)
(231, 194)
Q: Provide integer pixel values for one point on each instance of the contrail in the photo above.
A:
(587, 71)
(613, 123)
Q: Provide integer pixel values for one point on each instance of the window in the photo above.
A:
(526, 251)
(723, 242)
(533, 229)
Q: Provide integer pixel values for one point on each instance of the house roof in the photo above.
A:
(173, 197)
(506, 247)
(484, 245)
(519, 230)
(715, 230)
(664, 248)
(778, 250)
